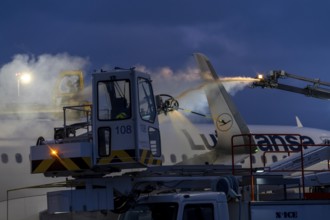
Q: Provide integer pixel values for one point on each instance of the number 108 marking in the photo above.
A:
(124, 129)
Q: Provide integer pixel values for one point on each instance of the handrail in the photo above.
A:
(250, 145)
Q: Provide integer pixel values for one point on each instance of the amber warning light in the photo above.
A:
(54, 152)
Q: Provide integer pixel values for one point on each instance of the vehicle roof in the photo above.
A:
(184, 196)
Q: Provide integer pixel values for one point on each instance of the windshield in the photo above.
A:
(114, 100)
(155, 211)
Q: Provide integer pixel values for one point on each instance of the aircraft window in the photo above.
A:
(242, 161)
(184, 157)
(263, 159)
(18, 158)
(274, 158)
(173, 158)
(326, 141)
(253, 159)
(284, 156)
(4, 158)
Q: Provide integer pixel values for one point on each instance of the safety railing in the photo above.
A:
(77, 121)
(277, 141)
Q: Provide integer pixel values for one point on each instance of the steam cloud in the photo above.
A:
(184, 84)
(187, 87)
(44, 70)
(236, 84)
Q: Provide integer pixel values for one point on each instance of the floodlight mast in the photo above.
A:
(24, 78)
(319, 89)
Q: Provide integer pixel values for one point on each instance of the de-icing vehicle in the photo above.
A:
(119, 131)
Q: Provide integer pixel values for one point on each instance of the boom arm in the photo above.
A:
(318, 89)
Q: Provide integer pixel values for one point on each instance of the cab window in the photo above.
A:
(155, 211)
(198, 212)
(147, 107)
(104, 141)
(114, 102)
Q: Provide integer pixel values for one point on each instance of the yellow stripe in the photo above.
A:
(69, 164)
(159, 162)
(151, 158)
(143, 156)
(147, 155)
(106, 160)
(87, 161)
(43, 166)
(120, 154)
(124, 156)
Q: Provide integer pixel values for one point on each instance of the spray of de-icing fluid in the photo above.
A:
(184, 84)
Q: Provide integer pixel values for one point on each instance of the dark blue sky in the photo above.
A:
(240, 37)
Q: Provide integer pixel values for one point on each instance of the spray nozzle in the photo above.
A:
(166, 103)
